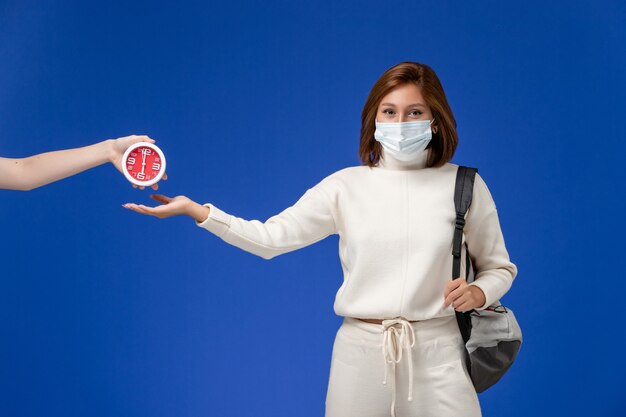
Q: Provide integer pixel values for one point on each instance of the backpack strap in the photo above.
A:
(462, 200)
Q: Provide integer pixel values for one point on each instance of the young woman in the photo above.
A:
(35, 171)
(399, 348)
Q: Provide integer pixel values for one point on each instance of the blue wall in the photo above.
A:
(254, 102)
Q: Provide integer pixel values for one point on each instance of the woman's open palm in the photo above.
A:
(171, 206)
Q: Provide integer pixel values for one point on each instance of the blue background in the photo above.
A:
(106, 312)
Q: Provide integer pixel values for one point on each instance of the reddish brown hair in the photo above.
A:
(443, 143)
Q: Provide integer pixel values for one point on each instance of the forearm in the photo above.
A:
(38, 170)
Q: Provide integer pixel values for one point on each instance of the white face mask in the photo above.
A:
(404, 140)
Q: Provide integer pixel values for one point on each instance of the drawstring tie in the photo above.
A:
(395, 340)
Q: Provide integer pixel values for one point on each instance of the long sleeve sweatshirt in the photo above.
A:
(395, 224)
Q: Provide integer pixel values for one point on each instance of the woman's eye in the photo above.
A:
(388, 111)
(416, 113)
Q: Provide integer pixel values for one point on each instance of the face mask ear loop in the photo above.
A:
(431, 123)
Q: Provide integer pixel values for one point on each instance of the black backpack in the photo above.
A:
(492, 336)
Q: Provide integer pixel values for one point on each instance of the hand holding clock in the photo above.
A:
(38, 170)
(123, 154)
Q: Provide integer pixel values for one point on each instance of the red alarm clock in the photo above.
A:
(143, 164)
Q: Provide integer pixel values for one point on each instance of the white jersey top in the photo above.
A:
(395, 224)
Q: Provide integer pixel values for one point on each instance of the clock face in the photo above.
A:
(143, 164)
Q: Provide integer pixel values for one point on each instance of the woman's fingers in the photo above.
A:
(455, 294)
(462, 307)
(141, 138)
(160, 198)
(140, 208)
(121, 144)
(161, 211)
(451, 286)
(465, 303)
(454, 299)
(134, 207)
(156, 186)
(150, 210)
(459, 301)
(170, 206)
(451, 297)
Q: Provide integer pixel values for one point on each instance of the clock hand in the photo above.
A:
(143, 161)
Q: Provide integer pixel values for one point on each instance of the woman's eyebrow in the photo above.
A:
(410, 105)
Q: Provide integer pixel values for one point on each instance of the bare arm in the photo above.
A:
(38, 170)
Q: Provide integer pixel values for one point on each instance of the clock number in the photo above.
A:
(147, 151)
(131, 161)
(140, 176)
(156, 167)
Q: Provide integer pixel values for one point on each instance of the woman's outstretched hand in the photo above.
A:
(462, 296)
(119, 146)
(172, 206)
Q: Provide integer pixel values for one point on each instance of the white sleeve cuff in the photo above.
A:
(217, 222)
